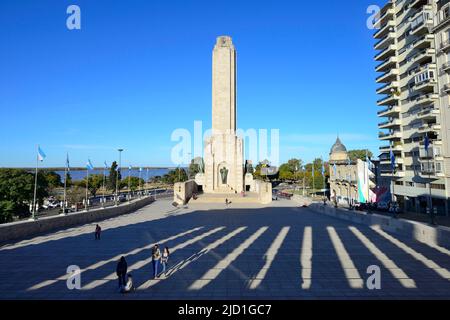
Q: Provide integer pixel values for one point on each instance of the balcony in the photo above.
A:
(422, 23)
(425, 99)
(445, 67)
(388, 173)
(427, 85)
(433, 153)
(429, 113)
(387, 161)
(431, 168)
(423, 56)
(385, 15)
(385, 42)
(385, 29)
(389, 100)
(386, 53)
(427, 127)
(392, 110)
(423, 43)
(396, 147)
(390, 124)
(388, 88)
(417, 4)
(389, 76)
(445, 46)
(446, 88)
(387, 65)
(390, 135)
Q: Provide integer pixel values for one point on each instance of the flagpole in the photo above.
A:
(104, 178)
(87, 187)
(65, 186)
(140, 190)
(33, 216)
(129, 186)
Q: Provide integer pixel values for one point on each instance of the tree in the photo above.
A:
(69, 181)
(95, 183)
(53, 179)
(76, 194)
(290, 170)
(359, 154)
(135, 182)
(111, 183)
(196, 167)
(17, 191)
(174, 176)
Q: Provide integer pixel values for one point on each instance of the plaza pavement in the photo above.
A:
(245, 252)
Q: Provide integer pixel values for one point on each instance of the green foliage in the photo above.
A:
(7, 210)
(135, 182)
(53, 179)
(195, 167)
(111, 181)
(291, 170)
(359, 154)
(76, 194)
(95, 183)
(174, 176)
(17, 189)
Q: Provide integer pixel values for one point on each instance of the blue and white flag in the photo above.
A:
(89, 165)
(392, 156)
(427, 143)
(106, 165)
(41, 155)
(334, 169)
(67, 162)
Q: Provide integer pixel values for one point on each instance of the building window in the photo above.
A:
(438, 186)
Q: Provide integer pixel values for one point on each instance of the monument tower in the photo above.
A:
(223, 153)
(223, 172)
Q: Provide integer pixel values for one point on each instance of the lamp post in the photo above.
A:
(117, 176)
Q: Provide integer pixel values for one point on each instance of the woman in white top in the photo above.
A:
(165, 259)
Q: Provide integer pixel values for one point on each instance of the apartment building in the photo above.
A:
(413, 45)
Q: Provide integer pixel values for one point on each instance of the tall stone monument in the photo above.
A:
(223, 153)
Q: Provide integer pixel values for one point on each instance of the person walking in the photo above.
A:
(121, 272)
(156, 257)
(165, 259)
(98, 231)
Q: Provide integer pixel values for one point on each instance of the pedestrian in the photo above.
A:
(121, 271)
(98, 231)
(165, 259)
(156, 257)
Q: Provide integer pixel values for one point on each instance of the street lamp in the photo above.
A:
(117, 175)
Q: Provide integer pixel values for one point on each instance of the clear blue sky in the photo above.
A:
(138, 69)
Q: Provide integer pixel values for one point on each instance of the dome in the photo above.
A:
(338, 152)
(338, 147)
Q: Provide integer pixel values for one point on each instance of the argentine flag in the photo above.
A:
(41, 154)
(89, 165)
(67, 162)
(334, 169)
(392, 160)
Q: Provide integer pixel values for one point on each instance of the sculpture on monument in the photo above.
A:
(224, 175)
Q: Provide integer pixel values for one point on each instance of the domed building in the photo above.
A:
(338, 152)
(343, 175)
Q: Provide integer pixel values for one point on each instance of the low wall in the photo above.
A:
(24, 229)
(183, 191)
(264, 191)
(412, 229)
